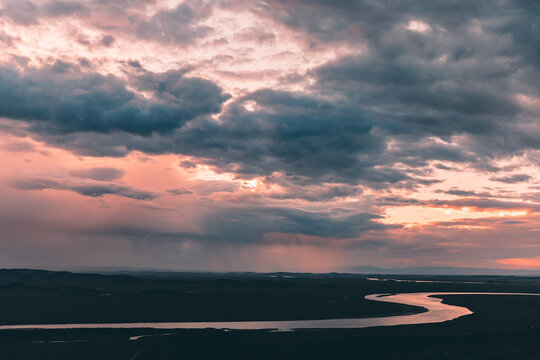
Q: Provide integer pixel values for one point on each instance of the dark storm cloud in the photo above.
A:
(406, 87)
(305, 16)
(178, 191)
(92, 190)
(512, 179)
(459, 192)
(421, 98)
(198, 95)
(458, 77)
(369, 20)
(99, 190)
(98, 173)
(107, 40)
(292, 133)
(61, 99)
(250, 224)
(398, 201)
(401, 100)
(310, 139)
(316, 193)
(420, 152)
(425, 85)
(284, 220)
(115, 144)
(442, 166)
(523, 30)
(247, 225)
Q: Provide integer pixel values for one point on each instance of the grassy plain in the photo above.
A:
(502, 327)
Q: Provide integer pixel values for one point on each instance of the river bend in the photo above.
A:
(436, 312)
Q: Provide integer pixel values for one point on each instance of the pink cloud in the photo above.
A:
(521, 263)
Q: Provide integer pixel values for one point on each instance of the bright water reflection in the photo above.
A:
(436, 312)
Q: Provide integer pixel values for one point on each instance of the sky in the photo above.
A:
(272, 135)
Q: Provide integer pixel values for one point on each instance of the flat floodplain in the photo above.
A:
(498, 327)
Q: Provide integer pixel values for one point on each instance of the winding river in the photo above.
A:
(436, 312)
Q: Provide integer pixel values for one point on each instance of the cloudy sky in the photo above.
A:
(295, 135)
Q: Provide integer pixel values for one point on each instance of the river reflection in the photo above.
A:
(436, 312)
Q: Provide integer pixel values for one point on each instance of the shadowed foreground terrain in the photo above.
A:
(502, 327)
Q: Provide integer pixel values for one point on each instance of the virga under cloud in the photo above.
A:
(269, 135)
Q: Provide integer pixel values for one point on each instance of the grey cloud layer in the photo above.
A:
(62, 99)
(291, 133)
(86, 189)
(512, 179)
(98, 173)
(250, 224)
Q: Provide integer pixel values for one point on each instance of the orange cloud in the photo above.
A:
(521, 263)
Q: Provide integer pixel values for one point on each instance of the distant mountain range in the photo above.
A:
(371, 270)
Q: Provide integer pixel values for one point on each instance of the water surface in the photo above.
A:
(436, 312)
